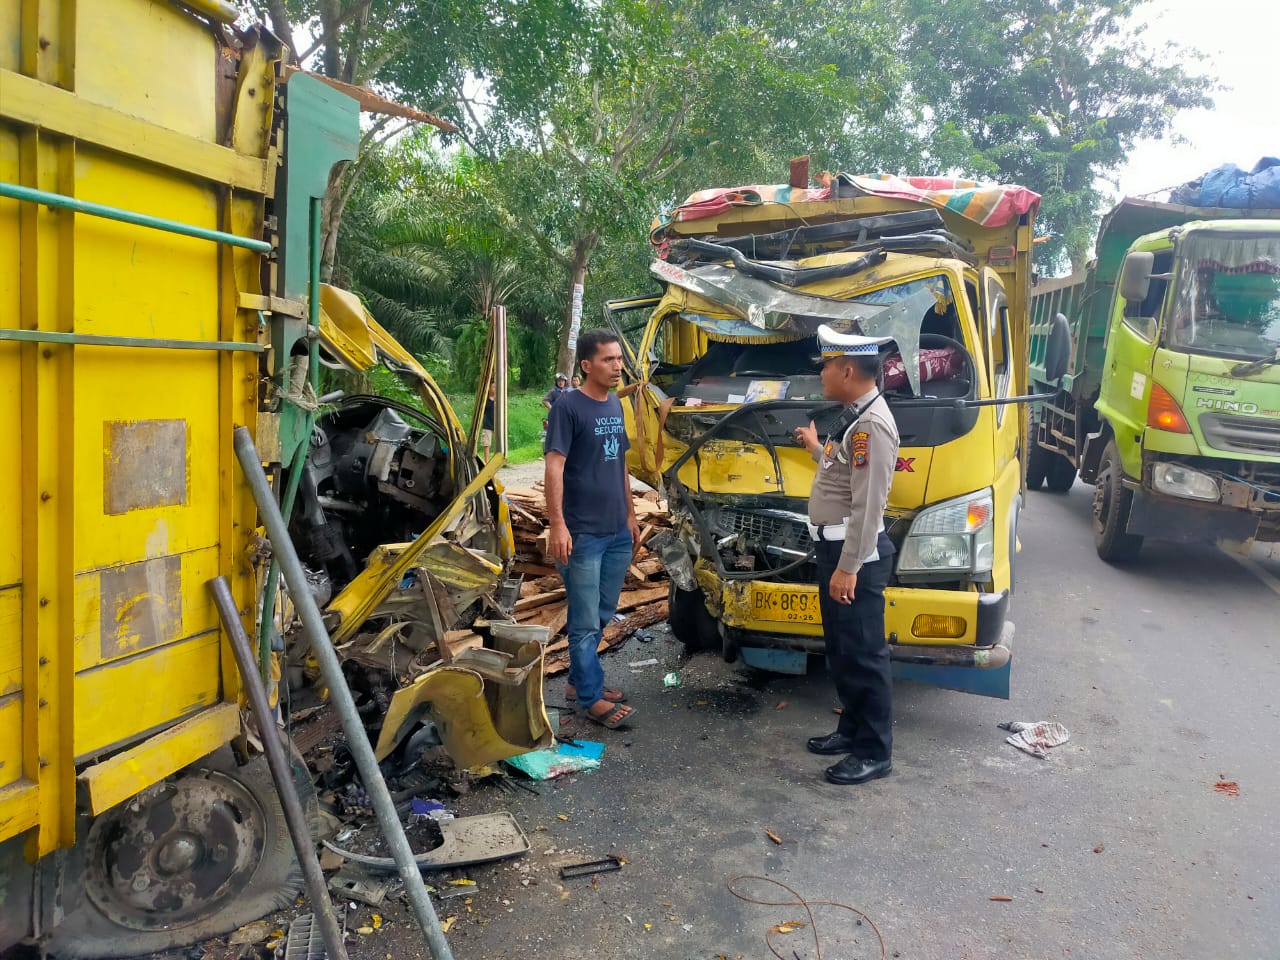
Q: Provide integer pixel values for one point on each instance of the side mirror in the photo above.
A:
(1135, 276)
(1057, 352)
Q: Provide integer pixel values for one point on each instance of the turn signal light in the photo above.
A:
(1163, 412)
(931, 625)
(979, 512)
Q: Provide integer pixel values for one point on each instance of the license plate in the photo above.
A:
(785, 604)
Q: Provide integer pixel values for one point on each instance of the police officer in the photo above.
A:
(854, 555)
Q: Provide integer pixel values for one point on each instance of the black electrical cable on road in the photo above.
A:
(808, 906)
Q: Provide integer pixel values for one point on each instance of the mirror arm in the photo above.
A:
(1000, 401)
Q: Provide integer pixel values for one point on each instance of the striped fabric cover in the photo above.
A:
(988, 204)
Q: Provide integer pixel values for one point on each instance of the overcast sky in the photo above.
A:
(1240, 39)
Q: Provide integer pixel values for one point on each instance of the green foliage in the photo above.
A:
(1048, 93)
(579, 119)
(525, 413)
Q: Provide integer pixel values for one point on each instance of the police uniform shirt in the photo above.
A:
(853, 479)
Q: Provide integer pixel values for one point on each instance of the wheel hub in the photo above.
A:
(172, 855)
(1102, 498)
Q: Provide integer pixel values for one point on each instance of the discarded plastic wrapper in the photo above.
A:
(428, 809)
(672, 679)
(591, 749)
(1035, 736)
(452, 892)
(651, 662)
(565, 758)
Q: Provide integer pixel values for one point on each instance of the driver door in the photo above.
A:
(630, 320)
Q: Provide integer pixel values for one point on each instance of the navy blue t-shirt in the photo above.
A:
(593, 440)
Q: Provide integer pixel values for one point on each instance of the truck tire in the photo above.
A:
(1037, 456)
(1111, 503)
(197, 856)
(1037, 464)
(691, 622)
(1061, 475)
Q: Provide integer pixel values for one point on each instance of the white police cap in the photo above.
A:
(832, 344)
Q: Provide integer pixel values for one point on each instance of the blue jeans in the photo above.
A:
(592, 581)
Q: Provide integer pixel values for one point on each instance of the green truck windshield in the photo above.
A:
(1228, 297)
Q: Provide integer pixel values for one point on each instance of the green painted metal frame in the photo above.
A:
(61, 201)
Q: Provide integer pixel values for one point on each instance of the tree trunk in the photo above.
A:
(1079, 255)
(280, 23)
(341, 186)
(330, 13)
(577, 271)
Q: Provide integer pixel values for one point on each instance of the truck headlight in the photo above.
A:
(1179, 481)
(954, 536)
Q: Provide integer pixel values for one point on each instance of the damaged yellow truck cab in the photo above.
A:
(724, 369)
(162, 174)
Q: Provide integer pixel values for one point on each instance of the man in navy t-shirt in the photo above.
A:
(593, 521)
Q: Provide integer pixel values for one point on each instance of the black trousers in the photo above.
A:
(857, 654)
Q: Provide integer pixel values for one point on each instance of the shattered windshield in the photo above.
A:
(1227, 300)
(742, 363)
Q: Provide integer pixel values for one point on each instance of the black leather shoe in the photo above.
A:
(853, 770)
(832, 743)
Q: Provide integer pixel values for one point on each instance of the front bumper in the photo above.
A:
(1189, 521)
(749, 607)
(982, 666)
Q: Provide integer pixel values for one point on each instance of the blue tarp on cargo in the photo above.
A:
(1230, 186)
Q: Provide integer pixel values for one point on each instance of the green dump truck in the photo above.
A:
(1171, 404)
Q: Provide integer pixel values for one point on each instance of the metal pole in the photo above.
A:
(15, 192)
(299, 461)
(101, 340)
(281, 770)
(340, 696)
(500, 377)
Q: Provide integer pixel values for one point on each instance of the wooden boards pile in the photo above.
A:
(542, 597)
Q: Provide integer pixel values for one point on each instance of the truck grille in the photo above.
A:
(1241, 434)
(779, 527)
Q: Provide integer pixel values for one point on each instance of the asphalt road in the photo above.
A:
(1120, 845)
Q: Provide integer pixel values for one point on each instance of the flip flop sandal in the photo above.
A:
(620, 698)
(611, 720)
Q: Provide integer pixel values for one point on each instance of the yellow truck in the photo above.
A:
(723, 370)
(161, 179)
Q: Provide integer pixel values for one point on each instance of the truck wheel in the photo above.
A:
(1037, 456)
(1061, 475)
(193, 857)
(1111, 502)
(1037, 465)
(690, 621)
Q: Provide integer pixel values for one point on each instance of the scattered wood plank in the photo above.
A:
(529, 568)
(646, 532)
(306, 737)
(557, 656)
(539, 599)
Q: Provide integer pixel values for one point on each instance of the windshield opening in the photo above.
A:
(737, 364)
(1227, 300)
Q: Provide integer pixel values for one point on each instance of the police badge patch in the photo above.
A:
(859, 446)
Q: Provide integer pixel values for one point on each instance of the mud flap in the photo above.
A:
(486, 704)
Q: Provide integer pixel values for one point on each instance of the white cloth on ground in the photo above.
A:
(1035, 736)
